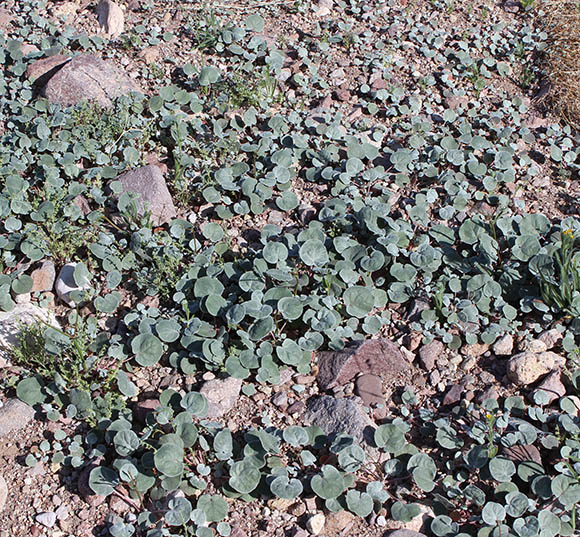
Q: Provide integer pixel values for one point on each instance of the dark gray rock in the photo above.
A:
(343, 415)
(87, 78)
(377, 356)
(148, 183)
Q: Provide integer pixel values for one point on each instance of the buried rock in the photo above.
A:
(152, 194)
(87, 78)
(343, 415)
(376, 356)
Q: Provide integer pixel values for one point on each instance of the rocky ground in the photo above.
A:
(332, 72)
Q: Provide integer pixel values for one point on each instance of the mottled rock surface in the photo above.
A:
(221, 395)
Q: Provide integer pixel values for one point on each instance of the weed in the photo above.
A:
(476, 79)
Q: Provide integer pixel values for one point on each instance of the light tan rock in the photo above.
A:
(526, 367)
(3, 493)
(111, 18)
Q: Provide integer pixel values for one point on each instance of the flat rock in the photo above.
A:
(377, 356)
(11, 323)
(334, 415)
(338, 522)
(533, 345)
(3, 493)
(520, 453)
(14, 415)
(88, 78)
(148, 183)
(527, 367)
(66, 285)
(221, 395)
(370, 389)
(453, 395)
(429, 353)
(315, 523)
(43, 277)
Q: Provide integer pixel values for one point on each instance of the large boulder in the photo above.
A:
(527, 367)
(152, 193)
(376, 356)
(88, 78)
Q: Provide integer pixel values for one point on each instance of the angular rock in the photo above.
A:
(553, 386)
(416, 308)
(48, 520)
(453, 395)
(377, 356)
(88, 78)
(520, 453)
(504, 345)
(3, 493)
(315, 524)
(550, 338)
(40, 71)
(527, 367)
(43, 277)
(111, 18)
(338, 522)
(344, 415)
(475, 349)
(429, 353)
(14, 415)
(370, 389)
(66, 285)
(11, 323)
(221, 395)
(148, 183)
(533, 345)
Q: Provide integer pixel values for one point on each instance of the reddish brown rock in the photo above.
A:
(377, 356)
(41, 70)
(143, 408)
(88, 78)
(523, 454)
(553, 386)
(43, 277)
(370, 389)
(429, 353)
(453, 395)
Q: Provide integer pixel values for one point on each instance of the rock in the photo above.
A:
(11, 323)
(453, 395)
(111, 18)
(144, 408)
(533, 345)
(526, 367)
(334, 415)
(14, 415)
(66, 11)
(151, 188)
(370, 389)
(5, 19)
(62, 513)
(504, 345)
(324, 7)
(3, 493)
(40, 71)
(315, 524)
(338, 522)
(150, 54)
(453, 102)
(296, 408)
(280, 399)
(405, 533)
(85, 490)
(550, 338)
(429, 353)
(43, 277)
(475, 349)
(221, 395)
(553, 386)
(306, 213)
(377, 356)
(522, 453)
(421, 520)
(66, 285)
(88, 78)
(416, 308)
(48, 520)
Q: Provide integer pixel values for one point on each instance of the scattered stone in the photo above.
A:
(324, 8)
(11, 323)
(280, 399)
(504, 345)
(405, 533)
(297, 509)
(377, 356)
(221, 395)
(334, 415)
(527, 367)
(85, 490)
(66, 285)
(66, 11)
(111, 18)
(453, 395)
(533, 345)
(550, 338)
(40, 71)
(88, 78)
(453, 102)
(553, 386)
(521, 453)
(62, 512)
(416, 308)
(150, 54)
(148, 183)
(315, 524)
(5, 19)
(429, 353)
(143, 408)
(343, 95)
(296, 408)
(306, 213)
(48, 520)
(512, 6)
(3, 493)
(475, 349)
(43, 277)
(370, 389)
(14, 415)
(338, 522)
